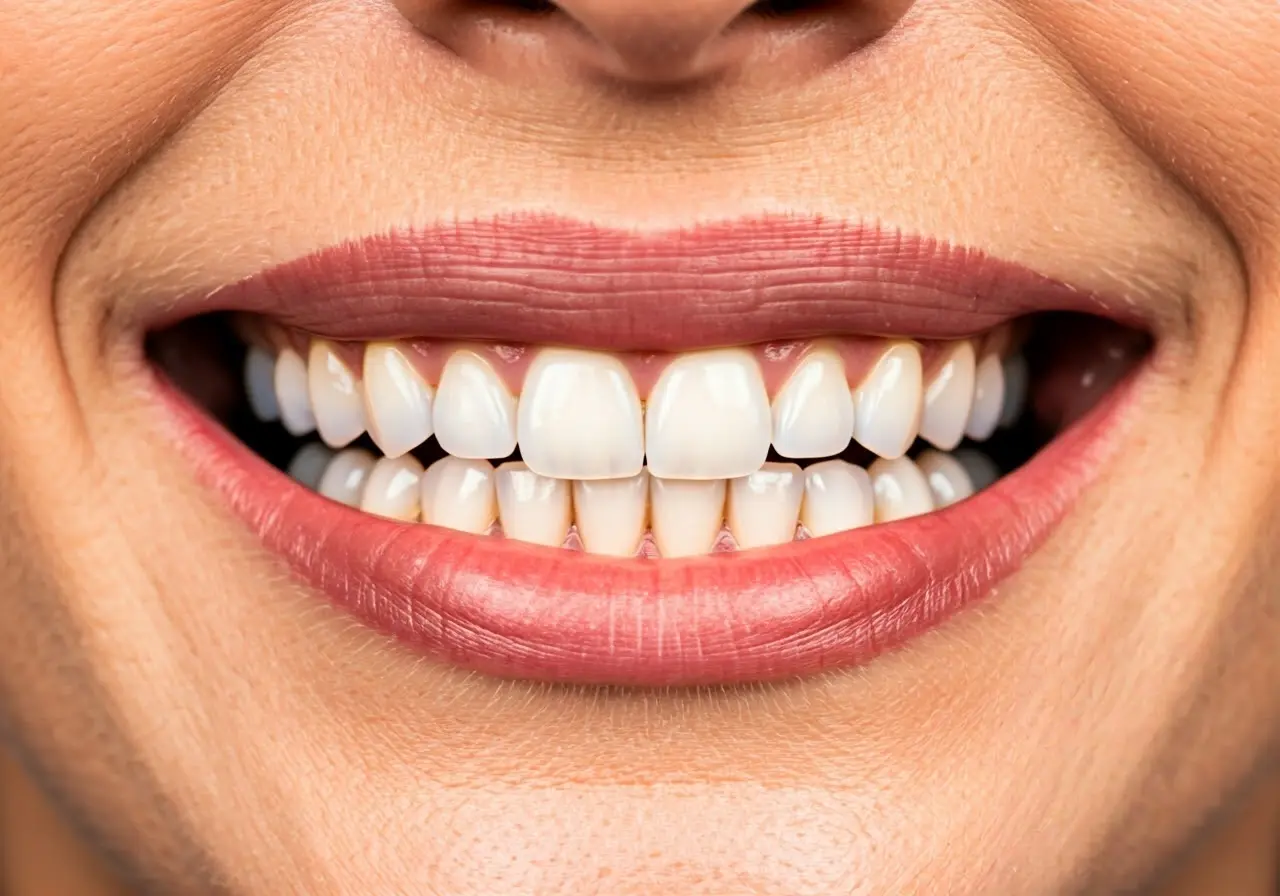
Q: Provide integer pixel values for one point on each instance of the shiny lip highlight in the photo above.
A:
(514, 610)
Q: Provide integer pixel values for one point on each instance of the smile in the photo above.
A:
(738, 453)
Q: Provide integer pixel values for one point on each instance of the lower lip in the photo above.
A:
(519, 611)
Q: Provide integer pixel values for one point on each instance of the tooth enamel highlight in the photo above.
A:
(533, 508)
(686, 515)
(982, 470)
(475, 415)
(837, 497)
(765, 506)
(336, 396)
(309, 464)
(949, 398)
(1017, 383)
(292, 393)
(344, 479)
(948, 480)
(260, 384)
(392, 489)
(813, 412)
(901, 489)
(460, 494)
(580, 417)
(397, 400)
(888, 403)
(611, 514)
(988, 399)
(708, 417)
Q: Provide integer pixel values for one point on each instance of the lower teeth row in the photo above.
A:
(644, 515)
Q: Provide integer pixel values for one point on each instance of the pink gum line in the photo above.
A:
(511, 362)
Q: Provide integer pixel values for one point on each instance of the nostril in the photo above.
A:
(774, 9)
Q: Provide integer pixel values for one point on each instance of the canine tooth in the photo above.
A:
(837, 497)
(533, 508)
(292, 393)
(901, 489)
(1017, 382)
(260, 384)
(948, 398)
(708, 417)
(309, 464)
(988, 399)
(888, 403)
(948, 480)
(458, 493)
(344, 479)
(686, 515)
(397, 400)
(580, 417)
(765, 505)
(611, 514)
(392, 489)
(813, 413)
(475, 415)
(982, 470)
(336, 396)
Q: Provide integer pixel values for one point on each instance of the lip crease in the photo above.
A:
(515, 610)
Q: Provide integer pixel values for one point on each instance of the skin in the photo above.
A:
(1108, 722)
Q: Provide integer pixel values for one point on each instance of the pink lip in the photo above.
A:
(513, 610)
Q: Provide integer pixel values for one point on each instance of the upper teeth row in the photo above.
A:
(579, 415)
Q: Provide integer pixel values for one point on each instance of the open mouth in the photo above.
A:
(568, 459)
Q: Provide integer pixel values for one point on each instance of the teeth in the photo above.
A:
(533, 508)
(260, 384)
(393, 489)
(292, 393)
(888, 403)
(344, 479)
(475, 415)
(837, 497)
(949, 398)
(1017, 382)
(708, 417)
(397, 399)
(988, 399)
(948, 480)
(336, 396)
(309, 464)
(611, 514)
(901, 489)
(459, 494)
(982, 470)
(813, 414)
(765, 506)
(687, 515)
(580, 417)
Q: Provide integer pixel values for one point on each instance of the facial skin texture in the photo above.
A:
(212, 726)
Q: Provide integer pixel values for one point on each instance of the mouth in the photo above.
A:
(745, 452)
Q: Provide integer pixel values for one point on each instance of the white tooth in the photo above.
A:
(611, 514)
(982, 470)
(397, 400)
(533, 508)
(708, 417)
(901, 489)
(686, 515)
(988, 399)
(948, 479)
(309, 464)
(888, 403)
(260, 384)
(949, 398)
(393, 489)
(1017, 382)
(580, 417)
(475, 415)
(292, 393)
(336, 396)
(345, 477)
(765, 506)
(813, 413)
(837, 497)
(459, 494)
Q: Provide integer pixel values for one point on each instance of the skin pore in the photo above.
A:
(201, 722)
